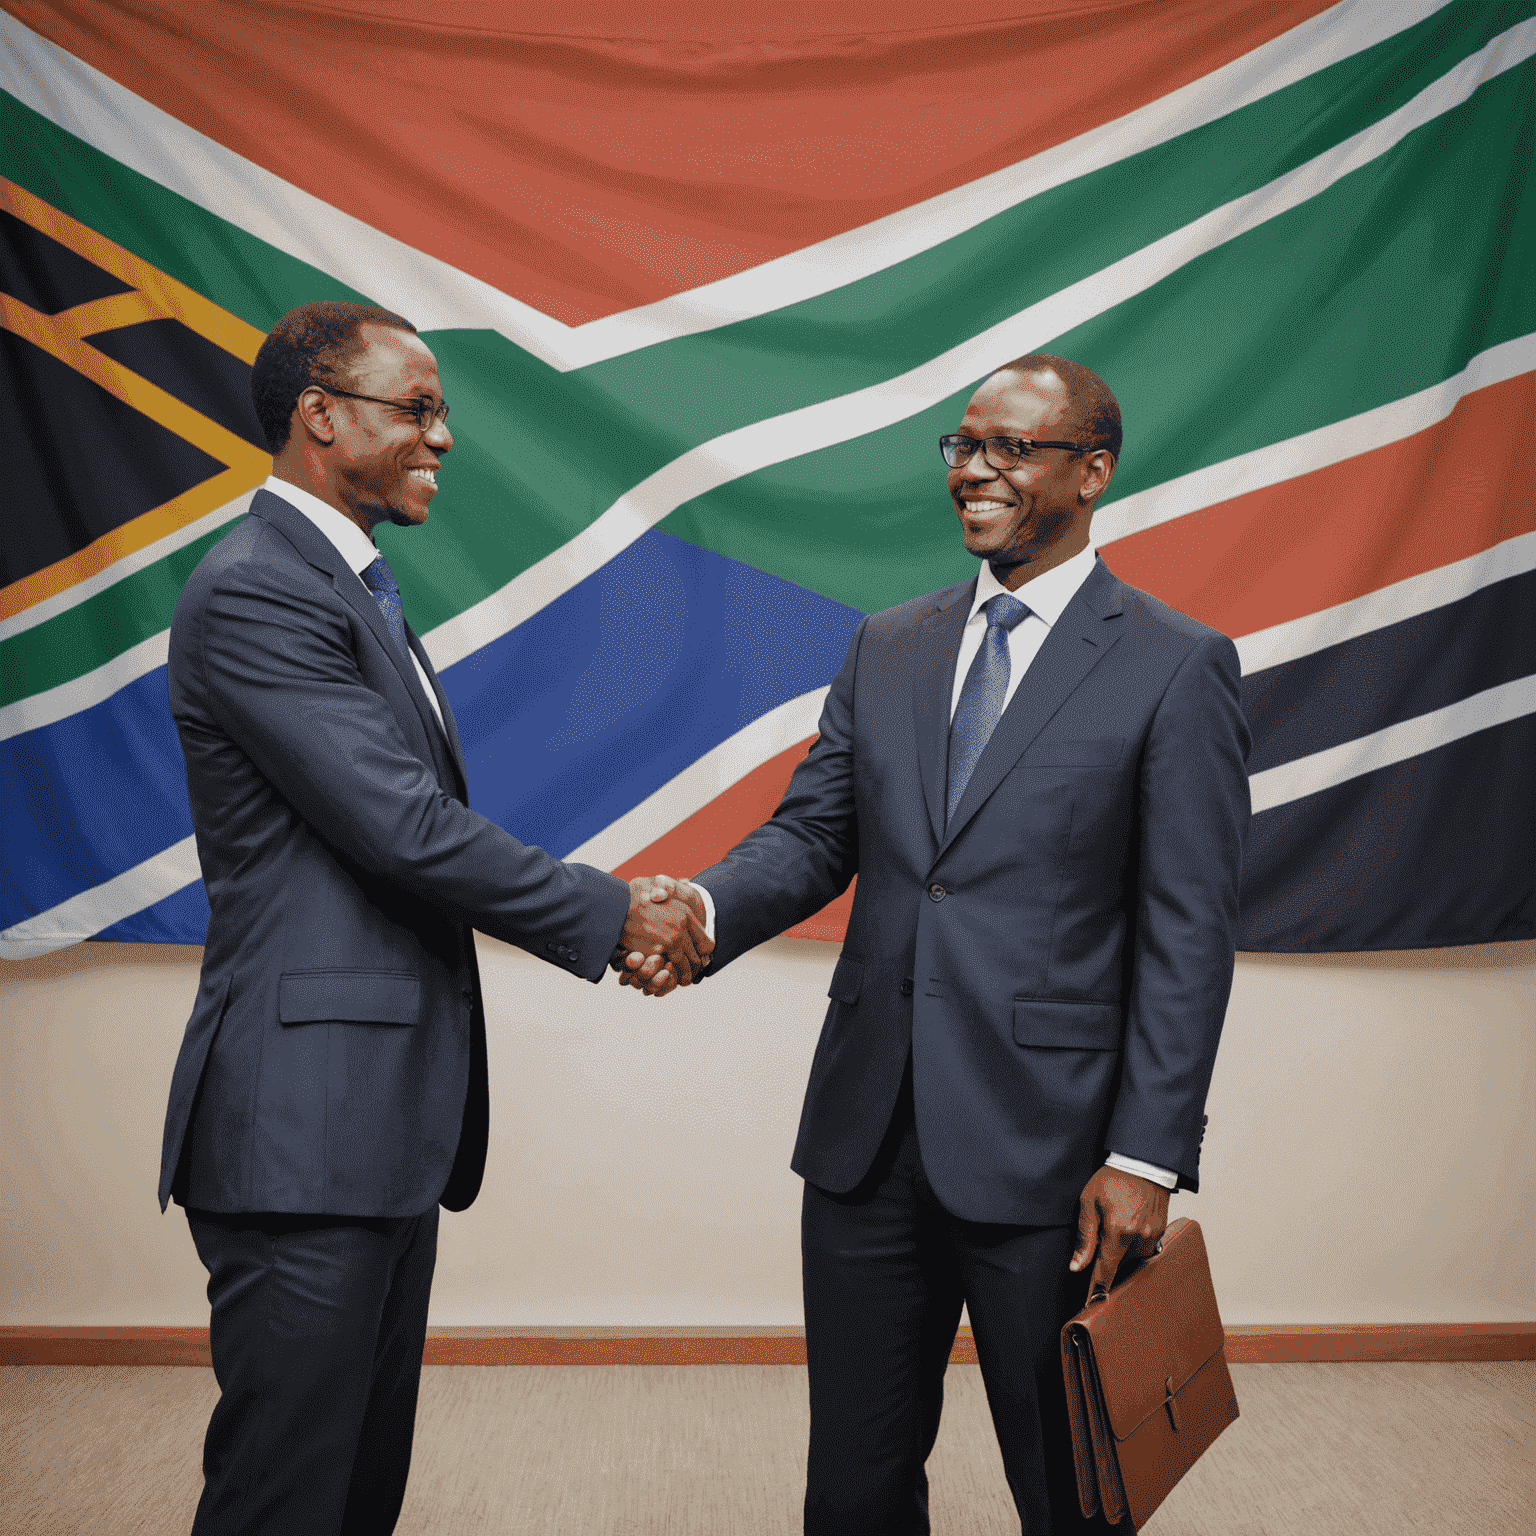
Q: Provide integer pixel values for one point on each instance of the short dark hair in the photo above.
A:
(309, 345)
(1095, 410)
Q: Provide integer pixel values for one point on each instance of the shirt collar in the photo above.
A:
(352, 544)
(1046, 596)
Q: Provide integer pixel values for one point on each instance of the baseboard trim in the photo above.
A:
(1247, 1344)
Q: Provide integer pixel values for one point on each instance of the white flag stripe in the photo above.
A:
(1407, 599)
(700, 782)
(1263, 648)
(1264, 467)
(95, 108)
(1393, 744)
(1314, 45)
(812, 427)
(139, 560)
(103, 905)
(83, 692)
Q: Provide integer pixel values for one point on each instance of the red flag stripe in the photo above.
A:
(1453, 490)
(608, 170)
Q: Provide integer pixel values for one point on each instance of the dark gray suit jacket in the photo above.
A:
(1057, 960)
(335, 1058)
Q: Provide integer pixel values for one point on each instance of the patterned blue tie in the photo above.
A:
(981, 699)
(380, 580)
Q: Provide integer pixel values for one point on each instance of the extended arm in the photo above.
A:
(785, 870)
(807, 854)
(280, 680)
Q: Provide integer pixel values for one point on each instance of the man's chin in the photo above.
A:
(402, 518)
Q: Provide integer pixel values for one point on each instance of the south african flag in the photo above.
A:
(704, 289)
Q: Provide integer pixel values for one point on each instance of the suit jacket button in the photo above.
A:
(574, 958)
(550, 946)
(906, 986)
(937, 892)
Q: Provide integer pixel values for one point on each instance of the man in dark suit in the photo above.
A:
(1038, 777)
(331, 1088)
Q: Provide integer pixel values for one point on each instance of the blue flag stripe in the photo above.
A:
(567, 723)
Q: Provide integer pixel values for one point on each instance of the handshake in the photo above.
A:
(663, 944)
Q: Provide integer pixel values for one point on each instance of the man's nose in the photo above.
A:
(976, 467)
(438, 436)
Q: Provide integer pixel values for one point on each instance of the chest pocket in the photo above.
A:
(1087, 752)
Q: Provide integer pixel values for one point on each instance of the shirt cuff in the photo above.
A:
(709, 910)
(1164, 1176)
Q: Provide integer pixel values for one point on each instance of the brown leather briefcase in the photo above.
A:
(1147, 1382)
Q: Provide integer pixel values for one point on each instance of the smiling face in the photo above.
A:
(1038, 512)
(382, 466)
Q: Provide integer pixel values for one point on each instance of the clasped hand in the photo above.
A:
(1117, 1214)
(663, 944)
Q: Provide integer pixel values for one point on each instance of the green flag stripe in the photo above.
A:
(82, 638)
(1369, 292)
(509, 501)
(882, 325)
(823, 425)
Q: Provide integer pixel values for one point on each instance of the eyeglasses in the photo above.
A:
(421, 407)
(1001, 452)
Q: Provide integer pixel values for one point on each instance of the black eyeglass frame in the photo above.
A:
(420, 407)
(1026, 446)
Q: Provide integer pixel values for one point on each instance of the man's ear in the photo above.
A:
(1100, 464)
(314, 414)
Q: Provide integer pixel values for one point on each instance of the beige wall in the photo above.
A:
(1371, 1155)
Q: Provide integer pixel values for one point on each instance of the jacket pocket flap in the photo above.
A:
(1094, 752)
(1076, 1026)
(847, 979)
(360, 997)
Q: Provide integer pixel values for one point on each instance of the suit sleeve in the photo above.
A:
(793, 865)
(280, 678)
(1193, 814)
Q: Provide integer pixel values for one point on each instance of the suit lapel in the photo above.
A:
(1084, 634)
(319, 552)
(938, 646)
(450, 730)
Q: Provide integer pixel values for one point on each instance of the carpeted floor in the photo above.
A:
(1321, 1450)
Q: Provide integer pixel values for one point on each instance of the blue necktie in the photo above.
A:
(380, 580)
(981, 699)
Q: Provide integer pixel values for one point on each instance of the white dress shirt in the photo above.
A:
(1046, 598)
(353, 545)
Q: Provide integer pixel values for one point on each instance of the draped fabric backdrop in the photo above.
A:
(705, 284)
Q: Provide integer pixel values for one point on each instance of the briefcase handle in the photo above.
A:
(1098, 1293)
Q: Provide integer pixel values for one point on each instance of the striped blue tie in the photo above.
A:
(981, 699)
(380, 580)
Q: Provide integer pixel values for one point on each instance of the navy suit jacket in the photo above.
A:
(335, 1057)
(1056, 960)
